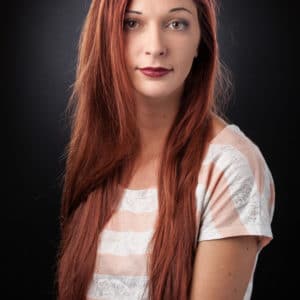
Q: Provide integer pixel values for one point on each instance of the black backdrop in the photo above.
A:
(41, 41)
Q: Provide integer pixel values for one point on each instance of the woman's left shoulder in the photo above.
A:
(232, 155)
(235, 179)
(232, 143)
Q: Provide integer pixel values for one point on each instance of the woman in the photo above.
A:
(162, 198)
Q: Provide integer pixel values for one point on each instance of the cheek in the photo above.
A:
(185, 58)
(129, 52)
(133, 48)
(185, 48)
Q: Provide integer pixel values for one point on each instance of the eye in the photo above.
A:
(130, 24)
(183, 24)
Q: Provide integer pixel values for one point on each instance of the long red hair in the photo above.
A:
(105, 141)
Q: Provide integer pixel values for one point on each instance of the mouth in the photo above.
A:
(155, 72)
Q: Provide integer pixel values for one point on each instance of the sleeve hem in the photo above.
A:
(264, 234)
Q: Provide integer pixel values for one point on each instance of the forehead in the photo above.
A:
(160, 6)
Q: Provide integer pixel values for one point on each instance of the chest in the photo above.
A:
(144, 176)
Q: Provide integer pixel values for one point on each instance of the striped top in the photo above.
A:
(242, 203)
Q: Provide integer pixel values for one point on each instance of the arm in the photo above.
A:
(223, 268)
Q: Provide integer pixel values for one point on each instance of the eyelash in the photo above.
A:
(185, 24)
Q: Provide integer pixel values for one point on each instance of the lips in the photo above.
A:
(155, 72)
(159, 69)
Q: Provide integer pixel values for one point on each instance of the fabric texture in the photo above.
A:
(235, 196)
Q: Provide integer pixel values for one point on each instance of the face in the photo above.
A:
(160, 33)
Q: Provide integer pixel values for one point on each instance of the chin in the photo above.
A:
(153, 94)
(155, 89)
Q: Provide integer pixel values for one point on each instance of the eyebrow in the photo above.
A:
(170, 11)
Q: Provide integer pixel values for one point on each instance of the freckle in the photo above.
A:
(229, 274)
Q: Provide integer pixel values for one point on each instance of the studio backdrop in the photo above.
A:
(43, 47)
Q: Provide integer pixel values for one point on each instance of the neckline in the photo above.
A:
(153, 189)
(140, 193)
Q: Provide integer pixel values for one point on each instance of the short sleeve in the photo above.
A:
(240, 194)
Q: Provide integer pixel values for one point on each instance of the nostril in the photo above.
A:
(157, 52)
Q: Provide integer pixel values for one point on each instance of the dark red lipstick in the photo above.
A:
(155, 72)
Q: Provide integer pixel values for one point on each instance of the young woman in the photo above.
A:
(163, 199)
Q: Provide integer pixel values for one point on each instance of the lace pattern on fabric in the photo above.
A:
(118, 287)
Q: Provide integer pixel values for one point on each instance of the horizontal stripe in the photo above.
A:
(117, 287)
(124, 243)
(128, 221)
(136, 201)
(130, 265)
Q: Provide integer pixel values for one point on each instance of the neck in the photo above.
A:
(155, 118)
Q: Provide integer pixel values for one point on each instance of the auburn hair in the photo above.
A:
(105, 141)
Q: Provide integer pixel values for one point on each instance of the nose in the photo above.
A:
(154, 43)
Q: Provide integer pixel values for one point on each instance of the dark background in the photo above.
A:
(41, 44)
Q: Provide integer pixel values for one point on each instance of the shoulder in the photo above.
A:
(234, 161)
(231, 150)
(235, 192)
(231, 146)
(228, 142)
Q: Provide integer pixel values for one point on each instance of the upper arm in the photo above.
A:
(223, 267)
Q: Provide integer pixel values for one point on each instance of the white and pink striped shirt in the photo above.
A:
(235, 196)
